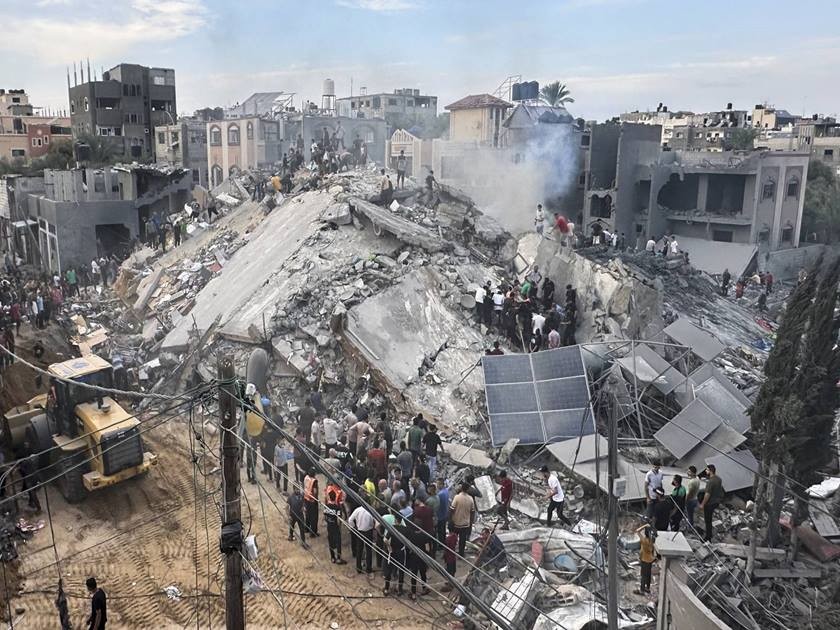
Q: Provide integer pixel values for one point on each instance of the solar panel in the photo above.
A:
(539, 397)
(507, 368)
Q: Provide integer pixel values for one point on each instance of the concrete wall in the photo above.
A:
(785, 264)
(480, 124)
(638, 148)
(259, 145)
(683, 610)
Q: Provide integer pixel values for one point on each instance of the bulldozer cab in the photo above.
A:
(64, 396)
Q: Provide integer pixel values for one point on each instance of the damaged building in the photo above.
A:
(83, 213)
(743, 202)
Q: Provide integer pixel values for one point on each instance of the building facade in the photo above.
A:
(404, 108)
(635, 187)
(477, 118)
(23, 134)
(240, 144)
(184, 145)
(124, 106)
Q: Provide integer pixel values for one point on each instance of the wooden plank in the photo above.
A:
(787, 573)
(824, 523)
(741, 551)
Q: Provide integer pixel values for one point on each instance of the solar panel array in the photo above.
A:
(539, 397)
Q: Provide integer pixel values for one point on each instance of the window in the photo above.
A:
(36, 142)
(787, 234)
(125, 89)
(87, 104)
(215, 136)
(18, 153)
(585, 139)
(582, 179)
(409, 103)
(46, 139)
(829, 153)
(377, 102)
(793, 188)
(352, 104)
(99, 182)
(392, 101)
(161, 137)
(679, 134)
(196, 176)
(768, 190)
(174, 137)
(132, 90)
(722, 236)
(158, 80)
(72, 107)
(233, 134)
(250, 131)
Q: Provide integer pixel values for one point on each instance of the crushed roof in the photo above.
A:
(474, 101)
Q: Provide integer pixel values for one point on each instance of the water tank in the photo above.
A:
(329, 87)
(533, 90)
(516, 92)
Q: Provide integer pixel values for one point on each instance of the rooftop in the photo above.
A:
(475, 101)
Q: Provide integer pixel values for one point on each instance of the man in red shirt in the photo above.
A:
(504, 494)
(378, 461)
(449, 552)
(424, 519)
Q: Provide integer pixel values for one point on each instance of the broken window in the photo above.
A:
(585, 139)
(787, 234)
(87, 104)
(174, 137)
(233, 134)
(215, 136)
(793, 188)
(722, 236)
(601, 207)
(768, 191)
(829, 153)
(72, 107)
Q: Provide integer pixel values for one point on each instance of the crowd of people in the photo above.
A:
(397, 476)
(528, 313)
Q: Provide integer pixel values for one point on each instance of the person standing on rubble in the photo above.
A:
(386, 189)
(678, 495)
(384, 427)
(402, 164)
(713, 494)
(331, 432)
(653, 482)
(432, 442)
(555, 495)
(539, 220)
(647, 556)
(725, 279)
(692, 489)
(415, 439)
(305, 417)
(281, 464)
(462, 516)
(504, 495)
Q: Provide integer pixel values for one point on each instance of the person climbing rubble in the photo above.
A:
(647, 556)
(555, 495)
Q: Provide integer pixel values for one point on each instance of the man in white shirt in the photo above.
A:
(653, 481)
(553, 339)
(538, 321)
(498, 305)
(674, 246)
(331, 429)
(362, 523)
(480, 294)
(650, 246)
(555, 495)
(315, 436)
(539, 219)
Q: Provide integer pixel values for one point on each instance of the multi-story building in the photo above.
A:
(766, 118)
(82, 213)
(184, 144)
(259, 105)
(235, 145)
(23, 133)
(635, 187)
(819, 135)
(689, 131)
(404, 108)
(124, 106)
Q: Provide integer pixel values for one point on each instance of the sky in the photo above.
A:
(614, 55)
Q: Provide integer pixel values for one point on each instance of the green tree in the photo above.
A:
(743, 139)
(555, 93)
(102, 152)
(821, 214)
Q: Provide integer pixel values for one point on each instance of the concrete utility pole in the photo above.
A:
(231, 524)
(612, 534)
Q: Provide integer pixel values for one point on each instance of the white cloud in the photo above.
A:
(383, 6)
(63, 39)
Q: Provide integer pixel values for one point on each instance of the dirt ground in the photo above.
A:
(149, 533)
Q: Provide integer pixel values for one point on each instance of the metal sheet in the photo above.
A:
(722, 401)
(714, 258)
(511, 398)
(528, 427)
(563, 393)
(688, 428)
(724, 439)
(737, 470)
(558, 363)
(586, 449)
(567, 423)
(507, 368)
(702, 343)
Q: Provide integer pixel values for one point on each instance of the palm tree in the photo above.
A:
(555, 93)
(102, 152)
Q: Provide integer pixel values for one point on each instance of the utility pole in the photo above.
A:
(612, 534)
(231, 536)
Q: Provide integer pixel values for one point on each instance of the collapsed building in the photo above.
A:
(375, 307)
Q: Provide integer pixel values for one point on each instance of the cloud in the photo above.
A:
(65, 38)
(381, 6)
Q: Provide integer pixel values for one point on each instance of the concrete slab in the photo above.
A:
(487, 487)
(238, 291)
(467, 455)
(672, 545)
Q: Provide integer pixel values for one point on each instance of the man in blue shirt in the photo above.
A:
(442, 512)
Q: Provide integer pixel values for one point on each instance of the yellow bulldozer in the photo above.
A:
(84, 440)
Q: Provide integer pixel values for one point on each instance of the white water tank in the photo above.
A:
(329, 87)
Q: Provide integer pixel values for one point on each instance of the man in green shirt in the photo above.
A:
(692, 488)
(72, 281)
(713, 495)
(678, 499)
(415, 438)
